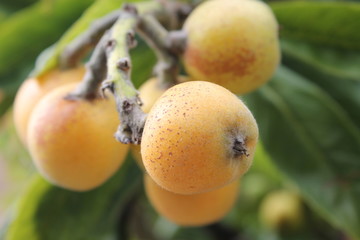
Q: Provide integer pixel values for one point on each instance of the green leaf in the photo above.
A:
(29, 31)
(263, 163)
(3, 14)
(143, 60)
(335, 71)
(333, 24)
(338, 63)
(48, 212)
(314, 142)
(14, 5)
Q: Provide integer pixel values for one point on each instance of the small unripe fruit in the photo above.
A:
(233, 43)
(72, 143)
(192, 210)
(282, 211)
(198, 137)
(33, 89)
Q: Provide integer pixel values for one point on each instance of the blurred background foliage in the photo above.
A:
(308, 114)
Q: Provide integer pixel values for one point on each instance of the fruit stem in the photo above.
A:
(95, 35)
(95, 73)
(173, 14)
(82, 44)
(111, 57)
(118, 81)
(167, 47)
(121, 39)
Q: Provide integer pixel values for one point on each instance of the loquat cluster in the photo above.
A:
(199, 138)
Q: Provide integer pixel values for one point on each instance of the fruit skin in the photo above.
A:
(189, 135)
(72, 143)
(232, 43)
(282, 210)
(33, 89)
(192, 210)
(149, 92)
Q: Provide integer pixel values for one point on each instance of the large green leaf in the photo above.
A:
(3, 14)
(13, 5)
(29, 31)
(333, 23)
(338, 63)
(47, 212)
(337, 72)
(314, 142)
